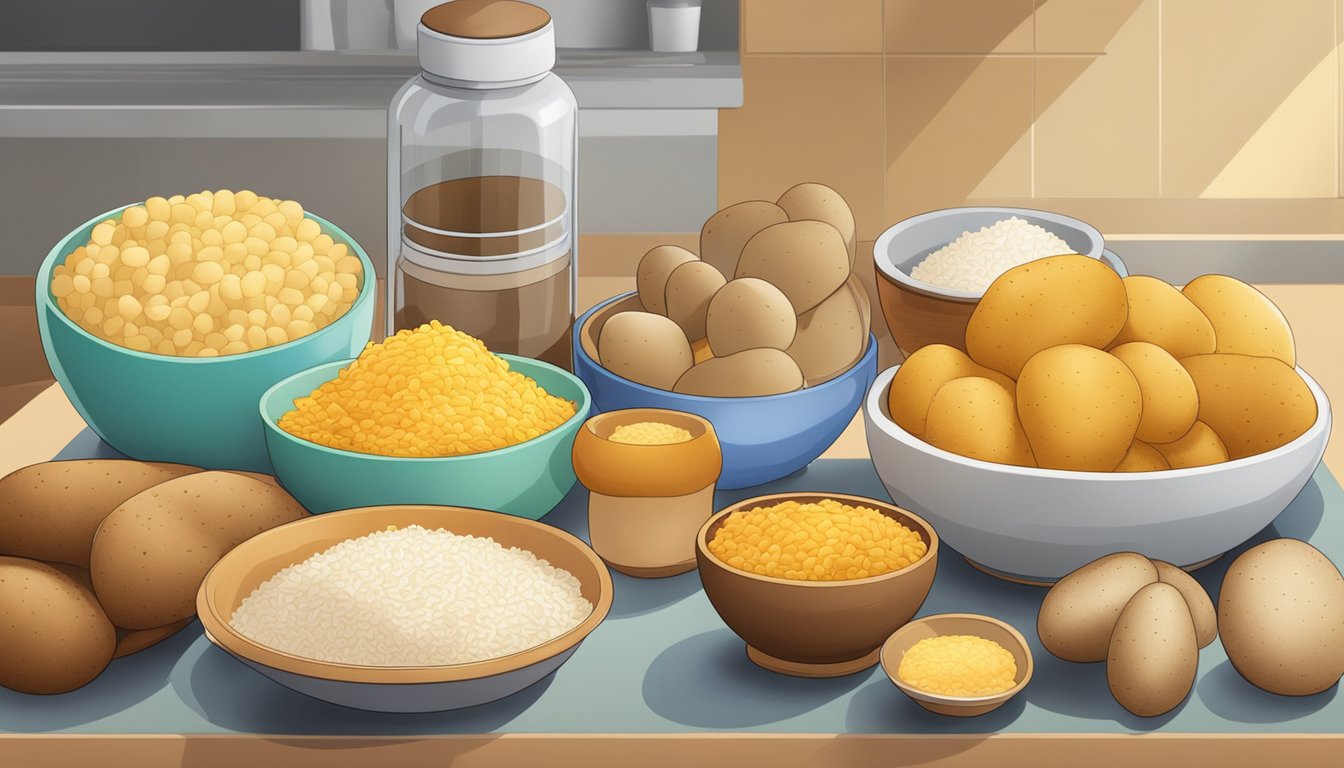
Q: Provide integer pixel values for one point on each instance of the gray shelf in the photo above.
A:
(303, 94)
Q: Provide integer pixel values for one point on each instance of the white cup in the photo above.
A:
(674, 25)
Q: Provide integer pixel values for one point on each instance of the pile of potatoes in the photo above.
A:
(1070, 367)
(1280, 613)
(770, 305)
(100, 559)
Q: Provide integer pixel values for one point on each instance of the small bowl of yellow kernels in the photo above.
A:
(958, 664)
(427, 416)
(815, 582)
(165, 320)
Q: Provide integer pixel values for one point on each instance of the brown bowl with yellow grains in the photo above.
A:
(821, 625)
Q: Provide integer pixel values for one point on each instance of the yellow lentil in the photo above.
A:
(198, 247)
(958, 665)
(432, 391)
(821, 541)
(649, 433)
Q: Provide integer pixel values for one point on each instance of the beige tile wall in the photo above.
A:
(1145, 116)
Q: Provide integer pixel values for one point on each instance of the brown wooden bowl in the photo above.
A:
(917, 319)
(816, 628)
(941, 624)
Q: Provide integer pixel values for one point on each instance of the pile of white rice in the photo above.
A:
(975, 259)
(413, 597)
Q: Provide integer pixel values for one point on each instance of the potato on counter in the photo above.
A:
(50, 511)
(54, 636)
(1201, 607)
(1153, 656)
(1058, 300)
(1080, 408)
(1080, 611)
(726, 233)
(150, 554)
(1255, 404)
(807, 260)
(1281, 615)
(1245, 321)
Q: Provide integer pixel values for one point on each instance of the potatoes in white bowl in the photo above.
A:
(1040, 524)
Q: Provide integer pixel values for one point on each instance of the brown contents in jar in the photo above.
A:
(527, 312)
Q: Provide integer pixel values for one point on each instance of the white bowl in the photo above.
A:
(1040, 524)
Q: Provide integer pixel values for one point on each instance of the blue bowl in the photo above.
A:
(763, 438)
(191, 410)
(528, 479)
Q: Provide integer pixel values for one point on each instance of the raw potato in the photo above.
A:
(819, 202)
(1080, 408)
(1159, 314)
(689, 289)
(1079, 612)
(865, 303)
(645, 348)
(131, 641)
(1245, 321)
(1199, 447)
(1255, 404)
(977, 418)
(50, 511)
(1170, 403)
(726, 233)
(923, 374)
(1153, 656)
(832, 336)
(807, 260)
(1058, 300)
(749, 314)
(745, 374)
(150, 554)
(55, 637)
(1281, 614)
(1196, 599)
(1142, 457)
(652, 273)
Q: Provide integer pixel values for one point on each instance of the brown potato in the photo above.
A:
(131, 641)
(1255, 404)
(54, 635)
(726, 233)
(923, 374)
(689, 290)
(1170, 403)
(1153, 655)
(645, 348)
(832, 336)
(1201, 607)
(1199, 447)
(1142, 457)
(1068, 299)
(652, 273)
(977, 418)
(819, 202)
(806, 260)
(1159, 314)
(1281, 614)
(150, 554)
(50, 511)
(1081, 609)
(1080, 408)
(1245, 321)
(749, 373)
(748, 313)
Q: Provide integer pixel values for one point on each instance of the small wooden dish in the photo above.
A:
(942, 624)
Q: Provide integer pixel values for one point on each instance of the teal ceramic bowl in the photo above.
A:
(200, 411)
(528, 479)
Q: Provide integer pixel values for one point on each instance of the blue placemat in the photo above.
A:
(663, 662)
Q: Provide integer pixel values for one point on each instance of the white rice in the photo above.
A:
(413, 597)
(975, 259)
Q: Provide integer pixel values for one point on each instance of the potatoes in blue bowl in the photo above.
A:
(179, 407)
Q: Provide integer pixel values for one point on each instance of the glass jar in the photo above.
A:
(482, 152)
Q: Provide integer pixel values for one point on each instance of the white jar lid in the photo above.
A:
(486, 43)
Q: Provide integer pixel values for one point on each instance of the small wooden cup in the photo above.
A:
(647, 502)
(941, 624)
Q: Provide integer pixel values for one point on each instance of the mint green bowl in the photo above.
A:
(528, 479)
(191, 410)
